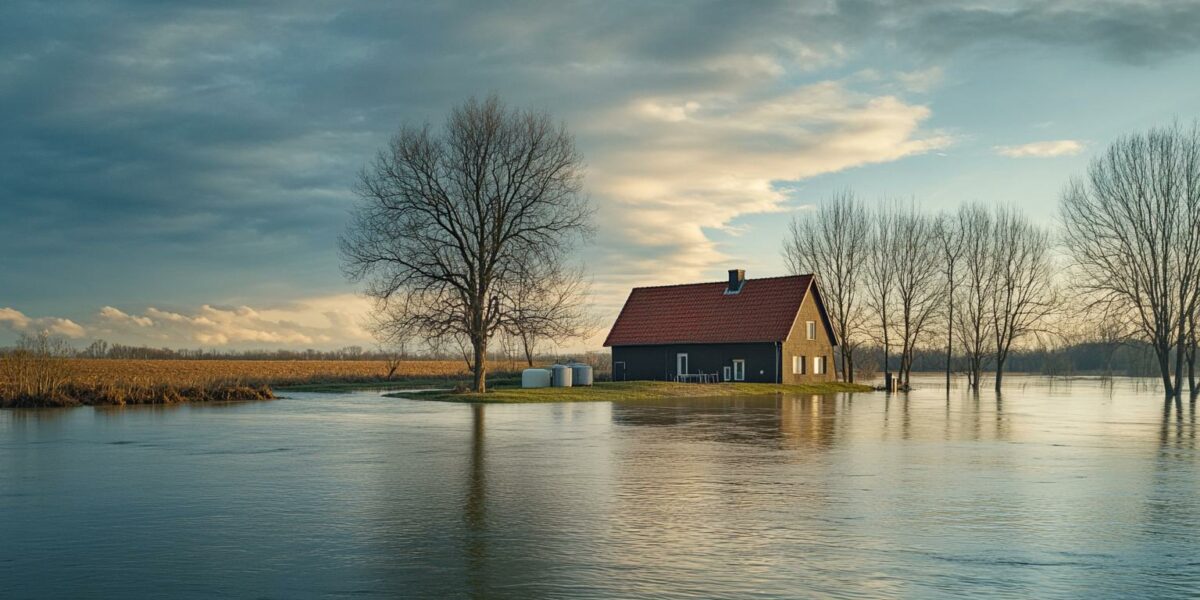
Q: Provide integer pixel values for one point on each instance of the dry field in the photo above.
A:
(256, 372)
(69, 381)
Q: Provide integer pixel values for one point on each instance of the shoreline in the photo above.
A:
(629, 390)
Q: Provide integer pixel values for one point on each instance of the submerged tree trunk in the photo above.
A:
(949, 346)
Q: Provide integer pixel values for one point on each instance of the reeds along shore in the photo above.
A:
(37, 381)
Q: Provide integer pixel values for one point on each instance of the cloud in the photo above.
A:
(321, 322)
(920, 81)
(694, 164)
(1044, 149)
(16, 321)
(200, 150)
(1122, 31)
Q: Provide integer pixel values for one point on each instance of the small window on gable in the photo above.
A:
(811, 329)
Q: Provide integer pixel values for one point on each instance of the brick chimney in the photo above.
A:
(736, 278)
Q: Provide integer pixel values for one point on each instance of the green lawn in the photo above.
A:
(632, 390)
(419, 383)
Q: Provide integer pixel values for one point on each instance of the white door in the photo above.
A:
(681, 366)
(739, 370)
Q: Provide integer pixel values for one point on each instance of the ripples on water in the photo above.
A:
(1057, 489)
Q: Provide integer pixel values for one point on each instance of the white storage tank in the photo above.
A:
(581, 374)
(562, 376)
(535, 378)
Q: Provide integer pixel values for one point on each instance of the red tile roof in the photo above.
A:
(702, 313)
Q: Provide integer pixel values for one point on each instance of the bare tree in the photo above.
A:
(973, 320)
(550, 302)
(832, 242)
(1132, 227)
(949, 233)
(919, 287)
(880, 283)
(450, 221)
(1023, 295)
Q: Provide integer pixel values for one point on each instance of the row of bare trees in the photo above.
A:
(902, 279)
(1132, 227)
(983, 281)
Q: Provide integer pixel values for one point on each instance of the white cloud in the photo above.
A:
(677, 168)
(16, 321)
(921, 81)
(321, 322)
(1041, 149)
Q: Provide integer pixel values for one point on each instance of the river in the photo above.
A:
(1059, 488)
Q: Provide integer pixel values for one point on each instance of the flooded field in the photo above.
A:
(1059, 488)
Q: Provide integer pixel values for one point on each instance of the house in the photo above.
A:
(772, 330)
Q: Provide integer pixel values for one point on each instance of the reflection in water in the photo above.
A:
(1061, 488)
(475, 507)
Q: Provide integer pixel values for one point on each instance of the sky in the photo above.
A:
(177, 173)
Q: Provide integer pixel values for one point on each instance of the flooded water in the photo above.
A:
(1058, 489)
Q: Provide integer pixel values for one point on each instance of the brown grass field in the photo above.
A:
(256, 372)
(75, 381)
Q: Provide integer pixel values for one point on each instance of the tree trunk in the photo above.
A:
(1191, 367)
(528, 349)
(1179, 351)
(480, 366)
(1164, 368)
(949, 346)
(999, 374)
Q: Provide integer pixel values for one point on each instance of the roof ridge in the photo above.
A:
(722, 282)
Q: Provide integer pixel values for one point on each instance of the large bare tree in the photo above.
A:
(973, 321)
(950, 249)
(1024, 293)
(1132, 227)
(549, 303)
(880, 285)
(452, 221)
(832, 243)
(919, 285)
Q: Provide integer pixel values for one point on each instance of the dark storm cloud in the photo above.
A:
(229, 132)
(1125, 32)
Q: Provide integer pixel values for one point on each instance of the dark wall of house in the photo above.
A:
(657, 363)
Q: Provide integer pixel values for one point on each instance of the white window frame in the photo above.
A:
(739, 374)
(799, 365)
(681, 360)
(728, 373)
(818, 365)
(810, 328)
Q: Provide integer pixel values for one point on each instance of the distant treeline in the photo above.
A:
(1131, 359)
(505, 357)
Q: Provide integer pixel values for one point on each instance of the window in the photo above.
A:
(681, 364)
(818, 365)
(739, 370)
(798, 365)
(728, 373)
(811, 329)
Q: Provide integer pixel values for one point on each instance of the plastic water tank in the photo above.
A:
(581, 374)
(535, 378)
(562, 376)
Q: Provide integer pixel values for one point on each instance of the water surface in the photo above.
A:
(1057, 489)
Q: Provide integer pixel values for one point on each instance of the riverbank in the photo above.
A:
(35, 382)
(630, 390)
